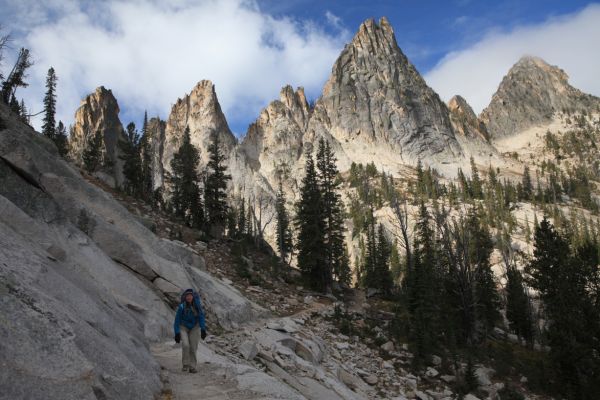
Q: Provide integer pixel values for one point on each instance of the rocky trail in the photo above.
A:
(221, 374)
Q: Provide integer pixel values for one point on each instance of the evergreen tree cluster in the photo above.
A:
(200, 203)
(137, 161)
(568, 280)
(322, 255)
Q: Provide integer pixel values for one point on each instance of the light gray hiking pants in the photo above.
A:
(189, 345)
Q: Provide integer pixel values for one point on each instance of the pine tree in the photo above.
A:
(476, 186)
(49, 125)
(241, 223)
(421, 286)
(284, 235)
(310, 224)
(16, 77)
(132, 164)
(145, 155)
(527, 184)
(332, 210)
(61, 139)
(568, 285)
(384, 275)
(215, 196)
(92, 154)
(186, 202)
(487, 299)
(518, 307)
(24, 112)
(14, 105)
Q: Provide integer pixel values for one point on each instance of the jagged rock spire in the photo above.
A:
(376, 96)
(99, 112)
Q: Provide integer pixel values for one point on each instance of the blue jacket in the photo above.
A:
(185, 315)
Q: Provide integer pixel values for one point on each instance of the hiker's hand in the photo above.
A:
(177, 337)
(202, 334)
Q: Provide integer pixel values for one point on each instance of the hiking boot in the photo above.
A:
(185, 368)
(193, 370)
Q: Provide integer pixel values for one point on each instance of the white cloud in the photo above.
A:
(151, 52)
(570, 42)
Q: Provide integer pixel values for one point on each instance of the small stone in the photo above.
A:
(342, 345)
(248, 350)
(431, 372)
(436, 360)
(421, 396)
(371, 380)
(448, 378)
(388, 346)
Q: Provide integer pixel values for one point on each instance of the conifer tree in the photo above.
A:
(24, 112)
(92, 154)
(61, 139)
(185, 183)
(568, 285)
(241, 222)
(487, 300)
(527, 184)
(14, 105)
(215, 196)
(421, 286)
(16, 77)
(49, 125)
(131, 157)
(145, 156)
(476, 185)
(332, 210)
(284, 235)
(518, 307)
(310, 224)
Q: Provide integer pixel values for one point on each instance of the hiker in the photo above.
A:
(189, 325)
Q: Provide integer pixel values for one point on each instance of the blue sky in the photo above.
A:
(427, 30)
(150, 52)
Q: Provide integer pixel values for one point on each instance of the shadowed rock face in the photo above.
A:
(464, 120)
(376, 96)
(99, 112)
(529, 95)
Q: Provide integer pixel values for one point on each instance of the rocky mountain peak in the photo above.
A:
(530, 94)
(459, 105)
(99, 112)
(295, 102)
(201, 112)
(375, 96)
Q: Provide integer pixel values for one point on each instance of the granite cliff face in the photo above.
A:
(156, 137)
(529, 95)
(99, 112)
(375, 101)
(273, 144)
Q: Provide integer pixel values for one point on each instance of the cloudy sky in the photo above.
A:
(151, 52)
